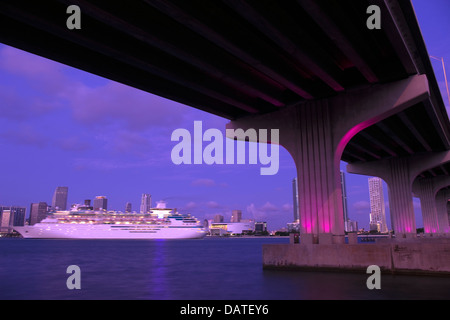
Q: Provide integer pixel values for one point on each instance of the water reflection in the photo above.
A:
(209, 269)
(307, 285)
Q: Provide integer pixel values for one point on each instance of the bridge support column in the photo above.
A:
(448, 213)
(306, 132)
(400, 198)
(441, 208)
(427, 198)
(316, 132)
(433, 204)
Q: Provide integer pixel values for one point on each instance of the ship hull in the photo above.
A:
(99, 231)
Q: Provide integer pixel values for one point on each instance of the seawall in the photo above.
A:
(398, 257)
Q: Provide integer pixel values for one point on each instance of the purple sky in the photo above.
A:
(63, 127)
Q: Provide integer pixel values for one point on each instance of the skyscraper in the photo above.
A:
(59, 201)
(6, 221)
(19, 216)
(100, 203)
(38, 212)
(377, 208)
(146, 203)
(236, 216)
(295, 195)
(128, 207)
(11, 216)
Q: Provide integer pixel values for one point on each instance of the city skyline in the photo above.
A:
(100, 137)
(39, 210)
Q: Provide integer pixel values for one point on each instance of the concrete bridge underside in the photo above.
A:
(334, 88)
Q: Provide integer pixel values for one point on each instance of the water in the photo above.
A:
(209, 269)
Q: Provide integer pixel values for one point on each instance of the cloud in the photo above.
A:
(361, 207)
(73, 143)
(133, 109)
(43, 85)
(356, 190)
(287, 207)
(268, 207)
(98, 114)
(16, 105)
(40, 72)
(203, 183)
(13, 105)
(265, 211)
(118, 142)
(212, 204)
(190, 205)
(25, 135)
(106, 164)
(36, 85)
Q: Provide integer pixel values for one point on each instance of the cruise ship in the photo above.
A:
(159, 223)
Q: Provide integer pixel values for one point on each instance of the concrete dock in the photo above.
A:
(409, 256)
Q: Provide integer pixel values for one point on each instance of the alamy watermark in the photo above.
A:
(216, 153)
(373, 281)
(74, 20)
(374, 20)
(74, 280)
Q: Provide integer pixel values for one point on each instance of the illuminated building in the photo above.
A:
(38, 212)
(377, 208)
(100, 203)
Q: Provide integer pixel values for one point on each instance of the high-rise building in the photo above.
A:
(236, 216)
(128, 207)
(6, 221)
(38, 212)
(377, 207)
(59, 201)
(11, 216)
(100, 203)
(146, 203)
(351, 226)
(260, 227)
(344, 200)
(218, 218)
(295, 196)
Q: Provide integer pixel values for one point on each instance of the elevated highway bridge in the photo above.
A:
(335, 89)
